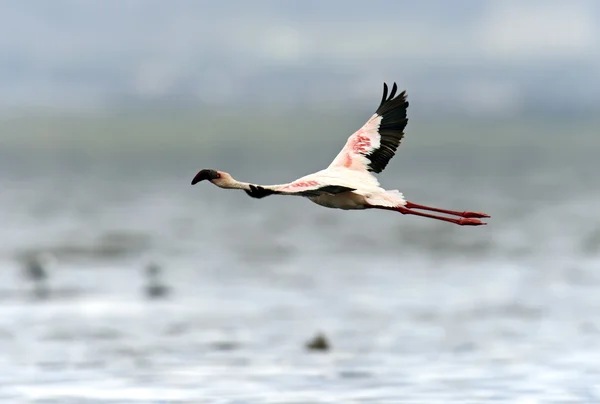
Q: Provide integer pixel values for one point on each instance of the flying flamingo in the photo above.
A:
(348, 182)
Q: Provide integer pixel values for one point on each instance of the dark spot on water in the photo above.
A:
(154, 292)
(318, 343)
(155, 289)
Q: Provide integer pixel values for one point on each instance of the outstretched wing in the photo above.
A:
(371, 147)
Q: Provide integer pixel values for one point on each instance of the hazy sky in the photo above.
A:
(486, 55)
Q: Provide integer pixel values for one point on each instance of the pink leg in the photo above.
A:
(411, 205)
(465, 221)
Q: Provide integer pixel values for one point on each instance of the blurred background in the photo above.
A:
(122, 283)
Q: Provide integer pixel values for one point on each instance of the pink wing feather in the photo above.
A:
(372, 146)
(300, 185)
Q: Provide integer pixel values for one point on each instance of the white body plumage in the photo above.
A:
(367, 191)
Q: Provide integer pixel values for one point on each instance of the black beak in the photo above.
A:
(205, 175)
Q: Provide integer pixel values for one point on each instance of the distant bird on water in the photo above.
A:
(35, 270)
(348, 182)
(155, 289)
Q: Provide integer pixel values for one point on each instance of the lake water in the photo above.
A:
(416, 311)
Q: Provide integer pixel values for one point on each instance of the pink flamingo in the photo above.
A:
(348, 183)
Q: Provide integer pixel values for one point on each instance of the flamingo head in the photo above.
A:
(206, 174)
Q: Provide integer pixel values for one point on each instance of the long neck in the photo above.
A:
(231, 183)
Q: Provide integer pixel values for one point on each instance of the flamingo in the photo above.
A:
(349, 182)
(155, 289)
(35, 270)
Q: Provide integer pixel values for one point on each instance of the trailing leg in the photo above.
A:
(463, 221)
(466, 214)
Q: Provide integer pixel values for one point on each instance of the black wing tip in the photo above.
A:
(392, 94)
(393, 110)
(392, 102)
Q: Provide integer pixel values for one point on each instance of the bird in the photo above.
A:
(155, 289)
(349, 182)
(318, 343)
(35, 270)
